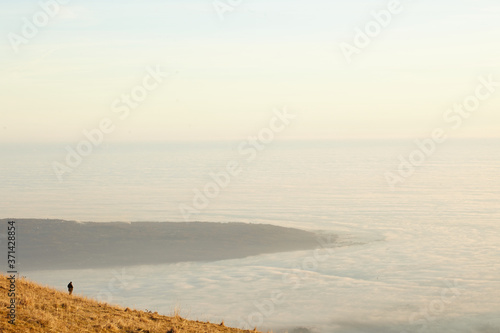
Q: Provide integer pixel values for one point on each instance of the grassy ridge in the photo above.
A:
(43, 309)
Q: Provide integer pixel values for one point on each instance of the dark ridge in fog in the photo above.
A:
(296, 330)
(57, 244)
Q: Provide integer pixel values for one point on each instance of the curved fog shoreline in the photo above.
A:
(58, 244)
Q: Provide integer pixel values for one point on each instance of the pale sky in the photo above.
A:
(228, 75)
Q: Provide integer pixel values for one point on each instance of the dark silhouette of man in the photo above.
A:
(70, 287)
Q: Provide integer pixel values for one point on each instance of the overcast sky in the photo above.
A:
(228, 74)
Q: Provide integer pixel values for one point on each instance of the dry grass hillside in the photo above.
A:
(42, 309)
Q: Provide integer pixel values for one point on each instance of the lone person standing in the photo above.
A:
(70, 287)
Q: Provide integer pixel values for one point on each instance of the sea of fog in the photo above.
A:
(422, 256)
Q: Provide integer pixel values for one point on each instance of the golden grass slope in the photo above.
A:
(42, 309)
